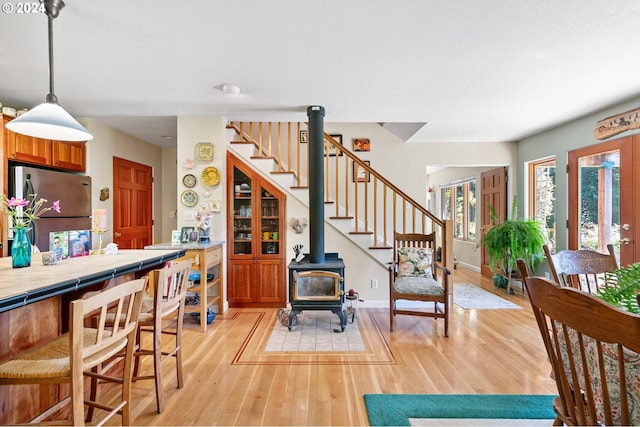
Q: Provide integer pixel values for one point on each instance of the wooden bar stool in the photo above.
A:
(71, 356)
(169, 288)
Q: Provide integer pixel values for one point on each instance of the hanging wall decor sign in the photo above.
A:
(614, 125)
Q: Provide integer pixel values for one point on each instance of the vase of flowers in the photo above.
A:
(22, 213)
(21, 248)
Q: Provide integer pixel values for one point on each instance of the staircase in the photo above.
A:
(359, 202)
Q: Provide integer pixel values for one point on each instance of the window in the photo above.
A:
(542, 200)
(459, 204)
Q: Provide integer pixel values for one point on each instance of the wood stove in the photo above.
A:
(314, 286)
(313, 270)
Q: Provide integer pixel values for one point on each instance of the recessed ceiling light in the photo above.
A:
(228, 88)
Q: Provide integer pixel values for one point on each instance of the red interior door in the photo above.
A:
(132, 204)
(494, 194)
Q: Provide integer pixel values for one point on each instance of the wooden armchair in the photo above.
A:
(413, 276)
(593, 350)
(581, 269)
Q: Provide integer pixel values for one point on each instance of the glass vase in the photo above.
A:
(20, 248)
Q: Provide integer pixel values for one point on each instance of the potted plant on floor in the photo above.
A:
(510, 239)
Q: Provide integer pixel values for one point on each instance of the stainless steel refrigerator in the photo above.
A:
(73, 191)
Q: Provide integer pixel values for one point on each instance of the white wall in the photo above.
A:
(107, 143)
(192, 130)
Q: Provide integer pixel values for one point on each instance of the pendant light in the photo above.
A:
(49, 120)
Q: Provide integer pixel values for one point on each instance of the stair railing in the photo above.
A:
(359, 193)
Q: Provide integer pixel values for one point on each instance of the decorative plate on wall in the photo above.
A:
(204, 151)
(210, 176)
(189, 198)
(189, 180)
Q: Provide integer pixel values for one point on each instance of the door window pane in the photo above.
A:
(599, 200)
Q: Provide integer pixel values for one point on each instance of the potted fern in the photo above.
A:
(510, 239)
(621, 288)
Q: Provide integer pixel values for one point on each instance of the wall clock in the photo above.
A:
(189, 180)
(204, 151)
(189, 198)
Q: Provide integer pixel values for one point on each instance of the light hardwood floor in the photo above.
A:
(488, 351)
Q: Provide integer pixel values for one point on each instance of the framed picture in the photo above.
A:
(185, 234)
(78, 243)
(59, 244)
(360, 174)
(330, 150)
(216, 205)
(304, 136)
(175, 237)
(361, 144)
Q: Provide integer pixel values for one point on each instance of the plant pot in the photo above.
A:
(499, 281)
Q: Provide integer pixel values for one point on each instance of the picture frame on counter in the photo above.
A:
(186, 233)
(175, 237)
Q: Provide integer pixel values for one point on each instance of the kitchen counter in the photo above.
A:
(22, 286)
(34, 308)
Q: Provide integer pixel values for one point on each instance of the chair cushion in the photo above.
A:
(417, 285)
(415, 262)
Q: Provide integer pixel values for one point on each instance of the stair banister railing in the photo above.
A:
(376, 208)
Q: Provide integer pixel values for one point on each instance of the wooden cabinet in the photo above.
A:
(68, 155)
(256, 231)
(65, 155)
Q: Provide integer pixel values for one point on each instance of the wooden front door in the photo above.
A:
(603, 208)
(494, 194)
(132, 204)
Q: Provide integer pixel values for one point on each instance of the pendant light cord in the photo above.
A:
(51, 97)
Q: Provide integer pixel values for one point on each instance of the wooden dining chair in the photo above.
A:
(583, 269)
(169, 288)
(594, 351)
(70, 357)
(413, 276)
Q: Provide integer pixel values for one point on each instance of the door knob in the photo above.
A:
(116, 234)
(626, 227)
(625, 241)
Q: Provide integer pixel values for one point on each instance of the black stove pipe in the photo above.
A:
(315, 113)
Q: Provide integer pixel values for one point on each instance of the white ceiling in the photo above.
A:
(473, 70)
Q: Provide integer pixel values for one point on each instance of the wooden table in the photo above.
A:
(206, 258)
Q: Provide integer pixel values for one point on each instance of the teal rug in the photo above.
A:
(396, 409)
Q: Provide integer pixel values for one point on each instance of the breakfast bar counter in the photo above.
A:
(22, 286)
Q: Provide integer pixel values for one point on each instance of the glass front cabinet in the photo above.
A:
(256, 233)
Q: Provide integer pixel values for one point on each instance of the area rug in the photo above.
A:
(316, 331)
(471, 297)
(369, 344)
(398, 409)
